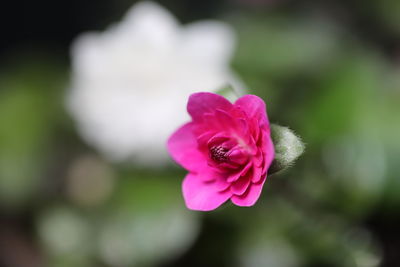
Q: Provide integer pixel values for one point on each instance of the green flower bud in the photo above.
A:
(288, 147)
(228, 92)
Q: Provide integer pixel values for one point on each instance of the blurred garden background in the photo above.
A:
(78, 188)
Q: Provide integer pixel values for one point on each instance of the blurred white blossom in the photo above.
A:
(130, 83)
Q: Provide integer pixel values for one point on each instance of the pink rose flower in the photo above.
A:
(226, 148)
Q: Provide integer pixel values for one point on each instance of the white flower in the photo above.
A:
(130, 84)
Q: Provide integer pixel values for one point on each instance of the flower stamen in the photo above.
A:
(219, 154)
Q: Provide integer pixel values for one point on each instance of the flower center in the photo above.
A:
(218, 154)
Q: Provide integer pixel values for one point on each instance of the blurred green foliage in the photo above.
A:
(30, 98)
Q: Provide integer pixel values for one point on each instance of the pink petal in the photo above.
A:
(221, 184)
(257, 174)
(238, 112)
(203, 139)
(269, 153)
(251, 196)
(202, 103)
(208, 174)
(202, 196)
(240, 186)
(233, 177)
(242, 127)
(258, 158)
(182, 146)
(212, 174)
(227, 166)
(217, 139)
(237, 156)
(254, 107)
(210, 122)
(255, 129)
(226, 122)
